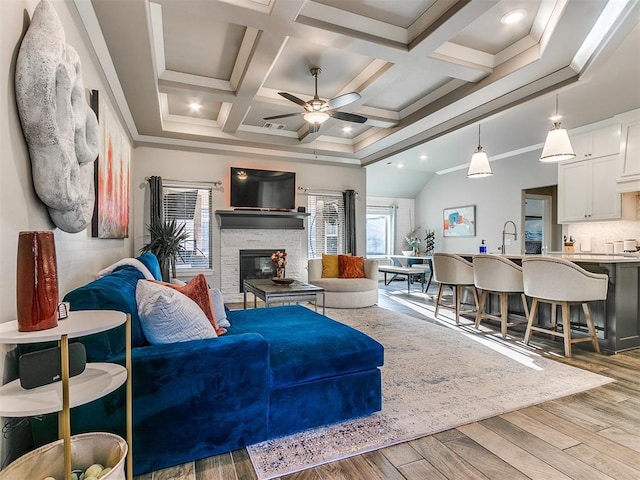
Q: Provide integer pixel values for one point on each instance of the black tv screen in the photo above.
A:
(265, 189)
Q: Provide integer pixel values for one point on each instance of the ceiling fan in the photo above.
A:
(316, 111)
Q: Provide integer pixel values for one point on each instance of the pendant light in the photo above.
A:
(557, 147)
(479, 166)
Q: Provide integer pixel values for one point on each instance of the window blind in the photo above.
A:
(326, 225)
(191, 206)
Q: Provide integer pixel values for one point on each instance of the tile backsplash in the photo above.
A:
(602, 232)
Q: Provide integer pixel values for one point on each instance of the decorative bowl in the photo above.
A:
(282, 281)
(408, 253)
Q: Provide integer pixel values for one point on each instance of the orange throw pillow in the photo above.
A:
(198, 290)
(330, 268)
(351, 267)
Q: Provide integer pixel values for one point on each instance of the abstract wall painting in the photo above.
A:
(459, 221)
(111, 213)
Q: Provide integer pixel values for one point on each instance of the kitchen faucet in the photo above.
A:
(505, 233)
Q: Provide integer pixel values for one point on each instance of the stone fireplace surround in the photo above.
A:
(233, 240)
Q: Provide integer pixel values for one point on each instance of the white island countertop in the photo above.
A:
(591, 257)
(580, 257)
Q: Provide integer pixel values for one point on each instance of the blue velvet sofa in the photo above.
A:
(276, 371)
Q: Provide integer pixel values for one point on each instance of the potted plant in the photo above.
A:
(411, 241)
(167, 243)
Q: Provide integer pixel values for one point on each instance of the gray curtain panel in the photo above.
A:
(156, 213)
(349, 197)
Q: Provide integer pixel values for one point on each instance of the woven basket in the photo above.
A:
(86, 449)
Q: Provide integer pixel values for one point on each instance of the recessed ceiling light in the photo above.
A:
(514, 16)
(423, 157)
(347, 129)
(400, 165)
(195, 106)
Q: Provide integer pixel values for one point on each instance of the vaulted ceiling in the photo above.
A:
(424, 69)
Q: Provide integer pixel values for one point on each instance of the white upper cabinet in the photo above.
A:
(598, 143)
(587, 190)
(629, 180)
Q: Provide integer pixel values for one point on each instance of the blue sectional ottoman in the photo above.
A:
(276, 371)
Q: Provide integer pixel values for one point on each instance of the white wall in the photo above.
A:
(497, 199)
(205, 167)
(79, 255)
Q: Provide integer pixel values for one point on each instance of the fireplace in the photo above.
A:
(257, 264)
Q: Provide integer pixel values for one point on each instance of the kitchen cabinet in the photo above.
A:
(629, 180)
(598, 143)
(587, 190)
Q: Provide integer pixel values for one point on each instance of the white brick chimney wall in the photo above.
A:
(234, 240)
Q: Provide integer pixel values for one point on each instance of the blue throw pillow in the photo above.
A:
(151, 262)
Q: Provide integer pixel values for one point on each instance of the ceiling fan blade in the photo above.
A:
(349, 117)
(342, 100)
(284, 115)
(293, 98)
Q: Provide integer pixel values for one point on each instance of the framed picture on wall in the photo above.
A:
(111, 210)
(459, 221)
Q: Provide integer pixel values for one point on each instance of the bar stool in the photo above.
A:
(456, 272)
(558, 281)
(496, 274)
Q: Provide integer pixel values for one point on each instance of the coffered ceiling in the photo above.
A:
(424, 69)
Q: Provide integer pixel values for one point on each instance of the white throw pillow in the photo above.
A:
(218, 308)
(168, 316)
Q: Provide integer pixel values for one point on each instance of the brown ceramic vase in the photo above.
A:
(37, 282)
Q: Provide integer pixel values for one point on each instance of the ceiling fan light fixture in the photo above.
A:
(557, 146)
(316, 117)
(479, 166)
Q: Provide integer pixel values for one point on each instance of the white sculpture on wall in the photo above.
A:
(60, 128)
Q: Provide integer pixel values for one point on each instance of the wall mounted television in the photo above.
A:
(262, 189)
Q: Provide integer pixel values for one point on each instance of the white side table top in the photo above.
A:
(97, 380)
(77, 324)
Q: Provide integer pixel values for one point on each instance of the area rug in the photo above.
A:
(434, 378)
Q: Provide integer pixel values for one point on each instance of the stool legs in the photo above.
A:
(439, 299)
(592, 328)
(566, 326)
(525, 305)
(457, 295)
(532, 315)
(481, 303)
(504, 311)
(566, 329)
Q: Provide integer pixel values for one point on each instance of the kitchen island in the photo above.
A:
(617, 319)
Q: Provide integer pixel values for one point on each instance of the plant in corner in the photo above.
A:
(167, 243)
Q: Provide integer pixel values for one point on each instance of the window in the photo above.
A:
(380, 226)
(191, 205)
(326, 225)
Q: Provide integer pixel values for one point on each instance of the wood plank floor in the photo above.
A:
(589, 435)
